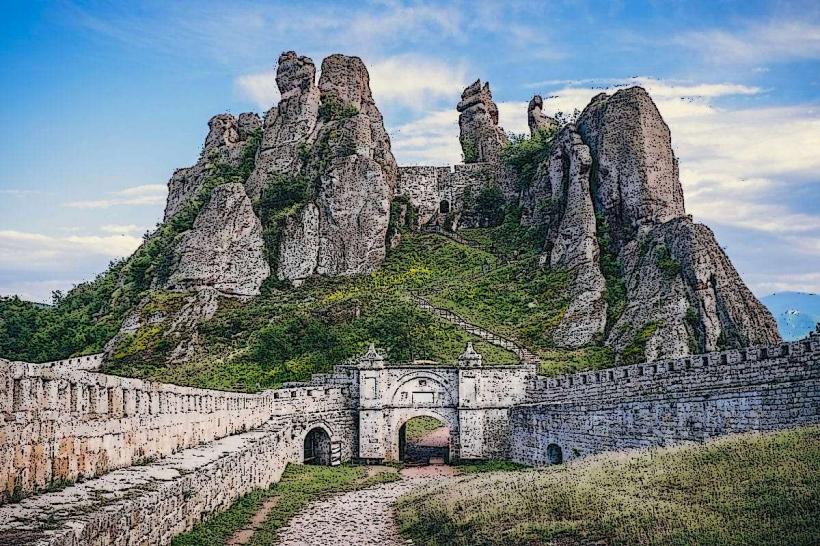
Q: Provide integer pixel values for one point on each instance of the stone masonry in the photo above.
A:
(204, 449)
(688, 399)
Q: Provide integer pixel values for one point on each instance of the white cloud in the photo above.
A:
(119, 229)
(512, 116)
(770, 41)
(24, 250)
(429, 140)
(260, 88)
(415, 81)
(782, 282)
(148, 194)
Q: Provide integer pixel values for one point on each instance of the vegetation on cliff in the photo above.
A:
(741, 490)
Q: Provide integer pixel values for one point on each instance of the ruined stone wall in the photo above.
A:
(61, 423)
(151, 504)
(427, 186)
(663, 402)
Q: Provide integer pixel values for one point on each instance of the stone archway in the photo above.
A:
(317, 447)
(420, 443)
(444, 207)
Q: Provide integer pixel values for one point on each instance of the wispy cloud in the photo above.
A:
(756, 42)
(260, 88)
(148, 194)
(118, 229)
(26, 250)
(415, 81)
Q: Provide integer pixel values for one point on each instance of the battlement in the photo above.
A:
(723, 366)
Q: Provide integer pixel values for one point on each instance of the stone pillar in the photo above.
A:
(372, 427)
(470, 418)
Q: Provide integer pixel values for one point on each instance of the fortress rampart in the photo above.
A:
(62, 423)
(206, 448)
(669, 401)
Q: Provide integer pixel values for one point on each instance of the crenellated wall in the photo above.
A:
(685, 399)
(61, 423)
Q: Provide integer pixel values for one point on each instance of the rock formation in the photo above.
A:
(289, 126)
(575, 247)
(683, 296)
(342, 230)
(480, 136)
(537, 119)
(637, 173)
(225, 142)
(224, 250)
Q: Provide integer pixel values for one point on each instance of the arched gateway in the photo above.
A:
(471, 400)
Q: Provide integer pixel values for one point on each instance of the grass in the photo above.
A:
(299, 486)
(419, 427)
(739, 490)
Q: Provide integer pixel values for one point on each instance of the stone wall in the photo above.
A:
(663, 402)
(61, 423)
(427, 186)
(151, 504)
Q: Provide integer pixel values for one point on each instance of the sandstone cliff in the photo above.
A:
(682, 295)
(352, 173)
(480, 136)
(227, 137)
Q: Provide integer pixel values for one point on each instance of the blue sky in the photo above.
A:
(101, 101)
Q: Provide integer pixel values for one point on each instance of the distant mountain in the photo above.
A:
(796, 313)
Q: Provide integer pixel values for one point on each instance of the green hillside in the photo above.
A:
(742, 490)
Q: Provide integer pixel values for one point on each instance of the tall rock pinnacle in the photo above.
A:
(479, 133)
(537, 119)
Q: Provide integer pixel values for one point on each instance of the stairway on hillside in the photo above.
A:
(524, 354)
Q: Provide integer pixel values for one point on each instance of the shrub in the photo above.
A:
(525, 154)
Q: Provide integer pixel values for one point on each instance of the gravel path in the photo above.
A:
(357, 518)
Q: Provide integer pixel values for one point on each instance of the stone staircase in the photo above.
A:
(523, 354)
(434, 228)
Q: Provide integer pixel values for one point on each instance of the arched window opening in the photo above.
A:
(317, 447)
(554, 454)
(444, 207)
(424, 440)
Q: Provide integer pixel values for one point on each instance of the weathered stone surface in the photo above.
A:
(689, 399)
(637, 173)
(299, 249)
(480, 136)
(575, 247)
(224, 250)
(355, 174)
(224, 143)
(289, 126)
(679, 279)
(537, 119)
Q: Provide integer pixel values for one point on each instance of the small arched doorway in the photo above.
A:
(424, 439)
(554, 454)
(317, 447)
(444, 207)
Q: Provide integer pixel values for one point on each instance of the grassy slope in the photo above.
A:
(288, 333)
(750, 489)
(299, 486)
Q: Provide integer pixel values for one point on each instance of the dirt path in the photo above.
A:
(244, 535)
(363, 517)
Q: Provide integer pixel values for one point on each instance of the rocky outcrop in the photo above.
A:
(290, 126)
(684, 296)
(574, 246)
(636, 170)
(537, 119)
(480, 136)
(353, 174)
(299, 246)
(224, 250)
(225, 143)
